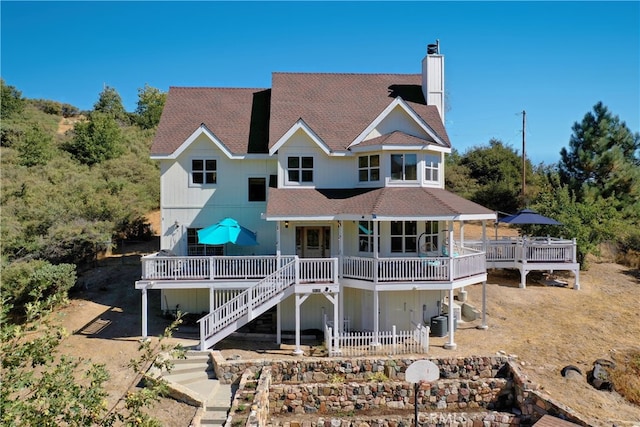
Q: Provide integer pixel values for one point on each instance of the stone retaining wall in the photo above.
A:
(327, 398)
(468, 392)
(357, 369)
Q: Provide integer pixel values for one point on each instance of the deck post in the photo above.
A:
(278, 324)
(299, 300)
(144, 313)
(376, 318)
(451, 345)
(484, 306)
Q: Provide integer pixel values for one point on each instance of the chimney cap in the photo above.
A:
(433, 48)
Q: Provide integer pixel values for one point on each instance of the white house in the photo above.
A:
(341, 177)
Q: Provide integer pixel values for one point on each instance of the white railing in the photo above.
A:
(548, 249)
(470, 264)
(428, 269)
(209, 267)
(369, 343)
(528, 249)
(357, 267)
(246, 302)
(318, 270)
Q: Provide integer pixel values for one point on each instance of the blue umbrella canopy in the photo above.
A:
(527, 216)
(227, 231)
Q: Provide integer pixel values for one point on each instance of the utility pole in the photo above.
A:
(524, 164)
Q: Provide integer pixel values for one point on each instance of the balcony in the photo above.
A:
(468, 263)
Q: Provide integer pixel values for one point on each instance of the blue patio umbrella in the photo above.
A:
(527, 216)
(227, 231)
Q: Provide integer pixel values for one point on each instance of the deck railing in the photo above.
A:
(528, 249)
(383, 342)
(318, 270)
(467, 262)
(210, 267)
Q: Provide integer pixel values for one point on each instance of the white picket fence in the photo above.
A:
(383, 343)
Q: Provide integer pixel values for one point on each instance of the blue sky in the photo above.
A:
(554, 60)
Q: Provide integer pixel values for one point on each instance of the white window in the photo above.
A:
(365, 236)
(432, 167)
(429, 240)
(369, 168)
(403, 167)
(300, 169)
(204, 172)
(404, 236)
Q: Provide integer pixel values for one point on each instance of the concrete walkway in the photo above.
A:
(193, 380)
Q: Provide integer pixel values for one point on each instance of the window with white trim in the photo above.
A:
(431, 167)
(429, 241)
(204, 172)
(404, 167)
(404, 235)
(365, 236)
(300, 169)
(197, 249)
(369, 168)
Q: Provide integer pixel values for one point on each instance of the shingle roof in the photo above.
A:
(337, 107)
(238, 117)
(382, 202)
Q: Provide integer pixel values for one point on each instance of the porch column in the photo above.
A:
(484, 306)
(341, 308)
(451, 345)
(212, 299)
(376, 318)
(451, 251)
(278, 253)
(340, 247)
(376, 251)
(278, 324)
(333, 299)
(299, 300)
(144, 313)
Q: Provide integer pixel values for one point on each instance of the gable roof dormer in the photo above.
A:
(236, 120)
(399, 104)
(339, 107)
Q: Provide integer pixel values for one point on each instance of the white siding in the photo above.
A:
(397, 120)
(328, 172)
(197, 207)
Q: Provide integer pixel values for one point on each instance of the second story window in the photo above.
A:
(204, 171)
(369, 168)
(432, 167)
(403, 236)
(257, 189)
(300, 169)
(403, 167)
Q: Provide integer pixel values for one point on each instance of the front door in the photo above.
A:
(313, 242)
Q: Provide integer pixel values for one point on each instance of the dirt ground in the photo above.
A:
(546, 327)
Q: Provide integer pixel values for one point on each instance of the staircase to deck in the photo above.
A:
(247, 305)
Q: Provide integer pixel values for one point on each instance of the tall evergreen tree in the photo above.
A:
(110, 103)
(602, 159)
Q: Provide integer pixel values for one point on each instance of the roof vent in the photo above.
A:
(433, 48)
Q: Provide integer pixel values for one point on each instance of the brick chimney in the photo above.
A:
(433, 77)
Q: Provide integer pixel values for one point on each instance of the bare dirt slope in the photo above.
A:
(546, 327)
